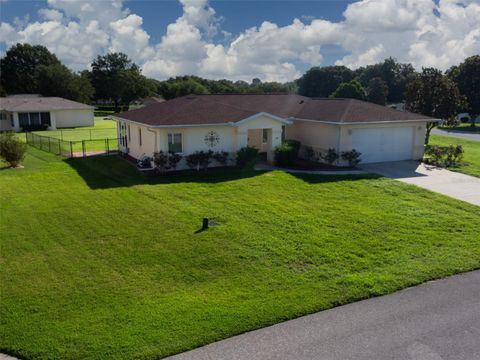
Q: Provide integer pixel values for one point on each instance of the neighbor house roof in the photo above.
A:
(30, 103)
(229, 108)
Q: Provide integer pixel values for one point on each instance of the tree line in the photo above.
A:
(115, 78)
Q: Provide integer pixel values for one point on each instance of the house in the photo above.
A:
(19, 111)
(230, 122)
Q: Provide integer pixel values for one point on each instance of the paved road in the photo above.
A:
(439, 320)
(453, 184)
(458, 134)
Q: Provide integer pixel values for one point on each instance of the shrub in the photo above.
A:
(331, 156)
(310, 154)
(285, 155)
(443, 156)
(173, 160)
(160, 159)
(294, 143)
(12, 150)
(199, 159)
(454, 154)
(247, 156)
(434, 155)
(352, 156)
(145, 162)
(221, 157)
(451, 122)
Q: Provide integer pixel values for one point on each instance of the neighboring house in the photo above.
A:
(230, 122)
(466, 118)
(19, 111)
(149, 100)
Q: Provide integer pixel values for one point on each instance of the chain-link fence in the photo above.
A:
(72, 149)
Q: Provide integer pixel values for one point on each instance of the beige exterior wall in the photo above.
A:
(147, 146)
(317, 135)
(73, 118)
(231, 138)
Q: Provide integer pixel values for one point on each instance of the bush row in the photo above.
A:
(443, 155)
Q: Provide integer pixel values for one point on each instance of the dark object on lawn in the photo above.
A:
(205, 224)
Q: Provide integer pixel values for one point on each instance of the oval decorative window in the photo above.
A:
(212, 139)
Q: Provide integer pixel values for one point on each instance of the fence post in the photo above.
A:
(90, 134)
(49, 146)
(61, 134)
(59, 147)
(108, 146)
(83, 148)
(71, 150)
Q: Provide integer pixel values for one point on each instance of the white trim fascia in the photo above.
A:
(367, 122)
(263, 113)
(47, 110)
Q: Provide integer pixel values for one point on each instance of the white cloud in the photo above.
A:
(51, 14)
(423, 32)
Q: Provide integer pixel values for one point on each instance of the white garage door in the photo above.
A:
(383, 144)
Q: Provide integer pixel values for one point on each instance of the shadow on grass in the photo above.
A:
(111, 172)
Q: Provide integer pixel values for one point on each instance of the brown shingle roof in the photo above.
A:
(219, 109)
(29, 103)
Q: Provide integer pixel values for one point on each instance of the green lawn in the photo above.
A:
(102, 129)
(93, 137)
(101, 262)
(472, 153)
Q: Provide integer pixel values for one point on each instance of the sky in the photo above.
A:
(274, 40)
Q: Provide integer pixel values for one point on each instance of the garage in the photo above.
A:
(384, 143)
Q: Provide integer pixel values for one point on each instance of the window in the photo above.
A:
(45, 118)
(174, 143)
(3, 116)
(23, 119)
(283, 133)
(34, 118)
(265, 136)
(128, 129)
(140, 136)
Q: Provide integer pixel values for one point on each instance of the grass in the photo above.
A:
(472, 153)
(92, 136)
(99, 261)
(102, 129)
(465, 127)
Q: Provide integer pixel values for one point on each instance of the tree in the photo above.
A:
(322, 81)
(58, 80)
(435, 95)
(135, 86)
(351, 90)
(395, 75)
(377, 91)
(467, 77)
(19, 65)
(112, 75)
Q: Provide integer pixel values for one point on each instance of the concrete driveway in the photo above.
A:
(439, 320)
(455, 185)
